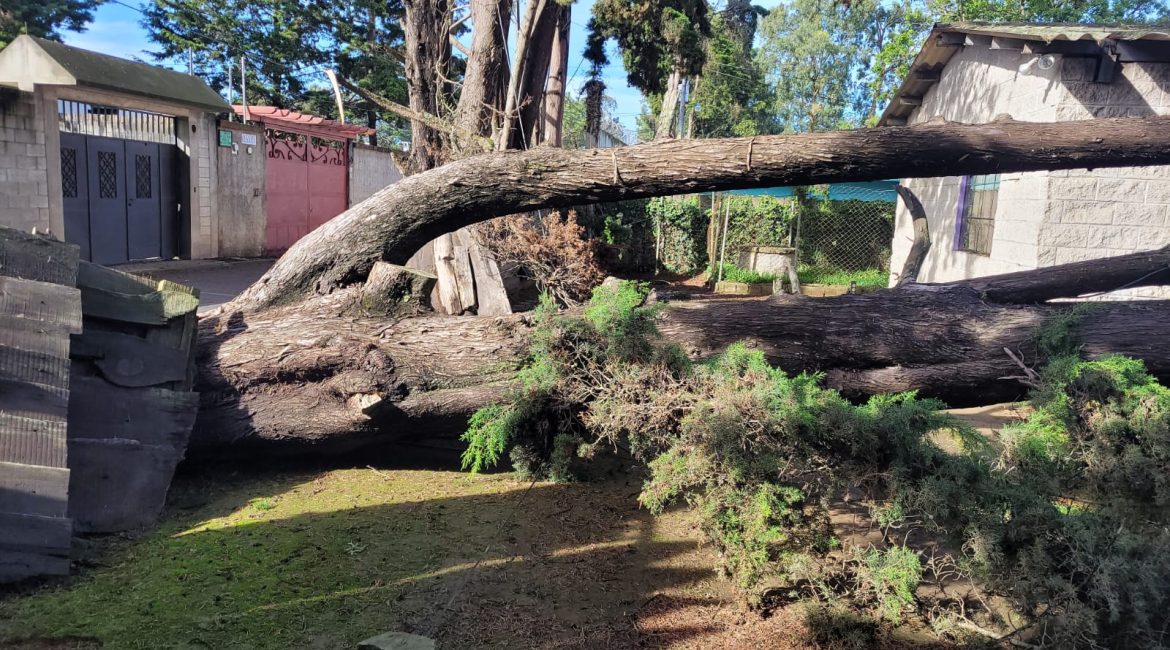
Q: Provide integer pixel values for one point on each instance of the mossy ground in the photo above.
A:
(290, 558)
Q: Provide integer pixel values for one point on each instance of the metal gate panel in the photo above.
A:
(107, 200)
(75, 191)
(143, 213)
(168, 164)
(328, 178)
(287, 186)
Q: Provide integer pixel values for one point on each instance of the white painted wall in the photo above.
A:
(1042, 218)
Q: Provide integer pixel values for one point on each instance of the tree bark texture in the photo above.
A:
(395, 222)
(669, 110)
(485, 82)
(281, 381)
(554, 94)
(428, 52)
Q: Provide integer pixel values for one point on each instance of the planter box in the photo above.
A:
(744, 288)
(830, 290)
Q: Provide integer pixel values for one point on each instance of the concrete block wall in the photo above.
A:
(370, 170)
(978, 85)
(242, 198)
(24, 175)
(1104, 212)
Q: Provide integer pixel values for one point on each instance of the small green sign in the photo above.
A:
(225, 138)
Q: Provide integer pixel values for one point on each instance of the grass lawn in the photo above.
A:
(283, 559)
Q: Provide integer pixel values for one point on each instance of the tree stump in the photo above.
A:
(396, 291)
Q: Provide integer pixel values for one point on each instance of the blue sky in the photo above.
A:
(116, 30)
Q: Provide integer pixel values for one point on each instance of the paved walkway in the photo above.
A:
(218, 281)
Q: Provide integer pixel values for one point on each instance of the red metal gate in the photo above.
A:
(307, 185)
(308, 171)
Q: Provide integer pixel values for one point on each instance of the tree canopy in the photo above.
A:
(43, 17)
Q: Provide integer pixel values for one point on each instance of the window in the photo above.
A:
(978, 196)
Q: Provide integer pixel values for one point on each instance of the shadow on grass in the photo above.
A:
(310, 559)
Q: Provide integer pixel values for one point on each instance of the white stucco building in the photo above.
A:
(983, 225)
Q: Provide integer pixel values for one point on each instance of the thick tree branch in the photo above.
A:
(1147, 268)
(397, 221)
(435, 122)
(921, 245)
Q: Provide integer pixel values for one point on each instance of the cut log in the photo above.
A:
(395, 222)
(280, 382)
(396, 291)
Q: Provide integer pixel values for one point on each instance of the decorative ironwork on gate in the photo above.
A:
(69, 172)
(109, 122)
(142, 176)
(107, 174)
(288, 145)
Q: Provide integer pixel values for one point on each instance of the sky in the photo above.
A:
(115, 30)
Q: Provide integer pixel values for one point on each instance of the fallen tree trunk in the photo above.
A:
(281, 381)
(394, 223)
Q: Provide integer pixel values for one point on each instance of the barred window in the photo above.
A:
(977, 200)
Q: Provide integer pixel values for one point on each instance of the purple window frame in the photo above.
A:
(961, 212)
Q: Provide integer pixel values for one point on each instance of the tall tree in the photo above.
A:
(43, 17)
(731, 96)
(661, 42)
(279, 38)
(814, 52)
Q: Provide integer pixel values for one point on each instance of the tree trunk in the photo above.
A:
(521, 59)
(554, 95)
(485, 82)
(280, 381)
(395, 222)
(427, 53)
(668, 112)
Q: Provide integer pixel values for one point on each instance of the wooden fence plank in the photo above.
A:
(33, 490)
(489, 285)
(32, 257)
(32, 441)
(41, 301)
(28, 400)
(15, 565)
(132, 361)
(148, 309)
(34, 336)
(32, 533)
(104, 497)
(96, 276)
(36, 367)
(153, 416)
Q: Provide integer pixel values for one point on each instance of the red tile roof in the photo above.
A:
(303, 122)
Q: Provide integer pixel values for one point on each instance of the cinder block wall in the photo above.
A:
(371, 169)
(24, 176)
(978, 85)
(1104, 212)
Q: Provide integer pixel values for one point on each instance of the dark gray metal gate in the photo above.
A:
(118, 182)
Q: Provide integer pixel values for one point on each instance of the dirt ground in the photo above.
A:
(296, 558)
(291, 557)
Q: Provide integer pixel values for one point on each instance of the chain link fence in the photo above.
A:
(842, 233)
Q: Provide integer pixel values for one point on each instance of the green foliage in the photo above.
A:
(1068, 520)
(757, 220)
(683, 227)
(866, 278)
(44, 18)
(731, 96)
(654, 37)
(732, 273)
(893, 575)
(284, 42)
